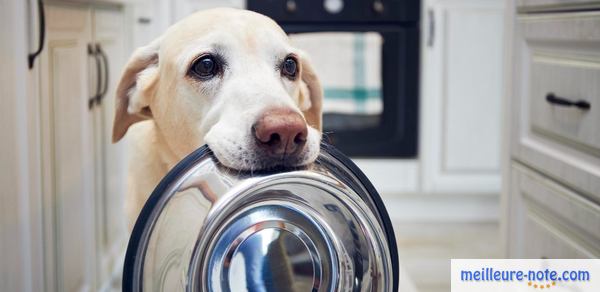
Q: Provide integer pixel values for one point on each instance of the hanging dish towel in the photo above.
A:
(349, 67)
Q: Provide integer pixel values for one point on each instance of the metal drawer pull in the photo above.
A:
(104, 90)
(42, 35)
(431, 34)
(557, 100)
(94, 53)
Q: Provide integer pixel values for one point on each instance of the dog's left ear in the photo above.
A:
(311, 93)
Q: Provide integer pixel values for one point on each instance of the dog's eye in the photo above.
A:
(205, 67)
(289, 68)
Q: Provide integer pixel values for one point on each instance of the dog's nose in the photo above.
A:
(281, 132)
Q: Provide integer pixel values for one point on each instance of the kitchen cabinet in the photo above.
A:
(61, 216)
(461, 96)
(552, 179)
(83, 174)
(17, 273)
(183, 8)
(66, 155)
(110, 159)
(148, 20)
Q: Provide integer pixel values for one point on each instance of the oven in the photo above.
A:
(366, 54)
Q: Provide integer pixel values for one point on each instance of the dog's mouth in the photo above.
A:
(256, 160)
(266, 170)
(282, 163)
(267, 163)
(249, 154)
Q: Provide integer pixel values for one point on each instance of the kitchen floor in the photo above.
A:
(425, 249)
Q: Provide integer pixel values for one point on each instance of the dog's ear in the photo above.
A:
(136, 88)
(311, 94)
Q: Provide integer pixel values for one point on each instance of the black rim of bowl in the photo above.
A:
(189, 161)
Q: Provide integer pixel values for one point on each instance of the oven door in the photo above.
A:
(368, 65)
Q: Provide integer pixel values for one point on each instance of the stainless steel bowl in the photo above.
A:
(209, 228)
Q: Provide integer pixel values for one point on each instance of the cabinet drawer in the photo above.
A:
(549, 220)
(556, 5)
(567, 78)
(564, 59)
(558, 53)
(543, 240)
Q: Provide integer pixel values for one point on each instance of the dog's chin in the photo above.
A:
(256, 160)
(261, 162)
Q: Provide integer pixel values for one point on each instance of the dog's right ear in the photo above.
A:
(136, 88)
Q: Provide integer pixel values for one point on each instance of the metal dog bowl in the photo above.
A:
(209, 228)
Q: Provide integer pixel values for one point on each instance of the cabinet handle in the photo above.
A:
(144, 20)
(561, 101)
(431, 31)
(42, 35)
(104, 58)
(92, 52)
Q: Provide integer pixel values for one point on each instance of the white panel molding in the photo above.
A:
(183, 8)
(438, 173)
(442, 208)
(508, 72)
(391, 176)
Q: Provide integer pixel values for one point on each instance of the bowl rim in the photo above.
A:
(189, 161)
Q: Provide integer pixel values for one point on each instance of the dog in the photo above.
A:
(223, 77)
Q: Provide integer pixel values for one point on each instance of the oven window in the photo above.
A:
(349, 67)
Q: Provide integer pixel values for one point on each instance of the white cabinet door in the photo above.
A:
(110, 165)
(66, 158)
(547, 220)
(183, 8)
(461, 96)
(148, 20)
(19, 241)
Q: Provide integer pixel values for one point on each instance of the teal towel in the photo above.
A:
(349, 66)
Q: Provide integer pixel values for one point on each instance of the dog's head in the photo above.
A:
(228, 78)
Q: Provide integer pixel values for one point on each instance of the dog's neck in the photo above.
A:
(165, 154)
(152, 147)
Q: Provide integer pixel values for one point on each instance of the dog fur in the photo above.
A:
(167, 114)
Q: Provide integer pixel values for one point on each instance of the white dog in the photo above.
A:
(225, 77)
